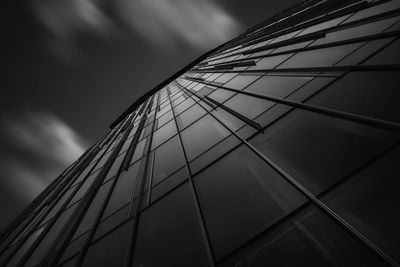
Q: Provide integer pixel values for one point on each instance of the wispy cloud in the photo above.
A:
(166, 23)
(38, 148)
(199, 23)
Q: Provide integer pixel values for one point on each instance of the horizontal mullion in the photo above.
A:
(330, 112)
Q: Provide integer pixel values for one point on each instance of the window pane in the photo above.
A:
(311, 239)
(123, 190)
(369, 94)
(319, 150)
(369, 202)
(240, 81)
(168, 158)
(169, 233)
(165, 118)
(111, 250)
(189, 116)
(248, 106)
(220, 95)
(93, 210)
(319, 57)
(201, 135)
(163, 134)
(270, 62)
(241, 196)
(278, 86)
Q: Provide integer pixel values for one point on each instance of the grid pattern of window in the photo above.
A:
(279, 148)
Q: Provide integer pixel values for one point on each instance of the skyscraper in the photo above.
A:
(278, 148)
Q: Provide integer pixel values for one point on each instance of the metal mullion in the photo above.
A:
(58, 194)
(99, 215)
(328, 17)
(140, 185)
(248, 121)
(200, 215)
(9, 230)
(132, 147)
(290, 41)
(152, 160)
(49, 194)
(323, 18)
(330, 112)
(52, 221)
(368, 38)
(58, 246)
(304, 191)
(392, 67)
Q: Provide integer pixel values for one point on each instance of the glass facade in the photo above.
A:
(277, 148)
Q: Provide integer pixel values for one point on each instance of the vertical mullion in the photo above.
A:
(153, 156)
(93, 229)
(57, 248)
(140, 185)
(55, 197)
(200, 215)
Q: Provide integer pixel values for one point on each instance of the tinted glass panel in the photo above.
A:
(163, 134)
(169, 233)
(168, 158)
(311, 239)
(111, 250)
(278, 86)
(241, 196)
(369, 201)
(201, 135)
(319, 150)
(248, 106)
(123, 190)
(369, 94)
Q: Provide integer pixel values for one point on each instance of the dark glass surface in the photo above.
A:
(319, 150)
(168, 158)
(163, 134)
(270, 62)
(323, 57)
(220, 95)
(46, 242)
(93, 210)
(248, 106)
(168, 184)
(241, 196)
(389, 55)
(278, 86)
(311, 239)
(110, 250)
(169, 233)
(189, 116)
(369, 201)
(364, 94)
(123, 190)
(201, 135)
(241, 81)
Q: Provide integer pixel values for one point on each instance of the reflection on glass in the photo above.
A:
(319, 150)
(168, 158)
(369, 201)
(169, 233)
(201, 135)
(241, 196)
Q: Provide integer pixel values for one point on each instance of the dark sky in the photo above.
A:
(70, 67)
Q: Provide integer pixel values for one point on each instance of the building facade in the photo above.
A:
(278, 148)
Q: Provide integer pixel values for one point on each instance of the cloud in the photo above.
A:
(199, 23)
(38, 148)
(165, 23)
